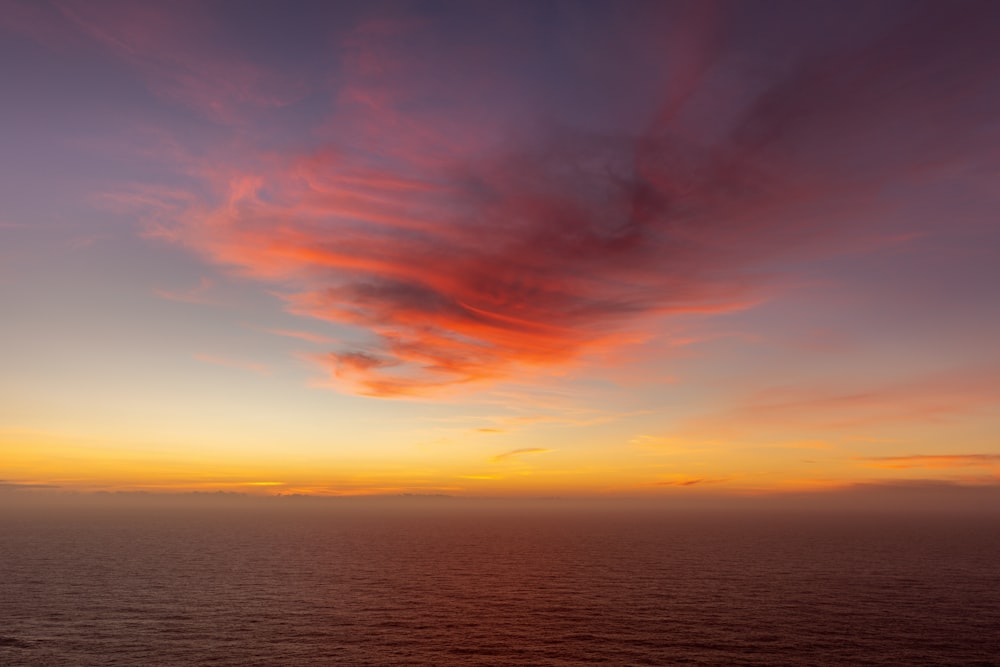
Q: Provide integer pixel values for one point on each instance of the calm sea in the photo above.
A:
(316, 585)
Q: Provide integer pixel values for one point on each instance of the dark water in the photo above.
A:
(308, 586)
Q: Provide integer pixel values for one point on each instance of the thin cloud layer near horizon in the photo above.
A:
(499, 249)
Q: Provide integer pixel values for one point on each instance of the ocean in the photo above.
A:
(435, 583)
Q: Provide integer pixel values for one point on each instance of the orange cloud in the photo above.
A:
(454, 300)
(506, 456)
(689, 481)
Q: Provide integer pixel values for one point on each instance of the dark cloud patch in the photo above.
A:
(6, 485)
(933, 461)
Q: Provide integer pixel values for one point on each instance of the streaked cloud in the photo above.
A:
(197, 294)
(182, 57)
(933, 461)
(682, 481)
(934, 398)
(8, 485)
(516, 453)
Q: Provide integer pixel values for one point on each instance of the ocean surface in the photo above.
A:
(321, 584)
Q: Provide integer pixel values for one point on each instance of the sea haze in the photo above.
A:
(449, 582)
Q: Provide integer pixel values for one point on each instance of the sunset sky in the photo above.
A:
(499, 248)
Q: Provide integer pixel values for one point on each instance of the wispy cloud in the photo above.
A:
(507, 456)
(925, 399)
(196, 294)
(7, 485)
(933, 461)
(681, 480)
(180, 56)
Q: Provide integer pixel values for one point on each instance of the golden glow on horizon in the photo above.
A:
(634, 470)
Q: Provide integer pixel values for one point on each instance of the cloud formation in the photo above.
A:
(926, 399)
(506, 456)
(183, 55)
(687, 481)
(471, 215)
(196, 294)
(7, 485)
(937, 461)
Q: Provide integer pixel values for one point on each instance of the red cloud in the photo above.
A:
(461, 281)
(465, 246)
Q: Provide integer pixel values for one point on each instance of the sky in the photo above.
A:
(581, 249)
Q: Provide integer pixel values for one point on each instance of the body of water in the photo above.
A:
(323, 584)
